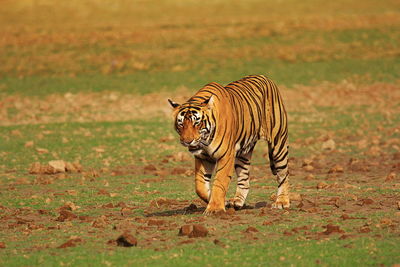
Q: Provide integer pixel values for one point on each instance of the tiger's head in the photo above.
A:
(193, 123)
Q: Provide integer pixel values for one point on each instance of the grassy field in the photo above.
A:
(87, 82)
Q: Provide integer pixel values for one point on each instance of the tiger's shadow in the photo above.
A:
(193, 210)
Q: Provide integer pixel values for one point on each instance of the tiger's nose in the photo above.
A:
(188, 143)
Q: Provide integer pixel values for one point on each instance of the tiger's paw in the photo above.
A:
(213, 209)
(281, 203)
(234, 203)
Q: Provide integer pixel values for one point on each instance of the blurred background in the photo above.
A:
(141, 47)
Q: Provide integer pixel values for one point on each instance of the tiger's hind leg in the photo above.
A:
(242, 168)
(278, 157)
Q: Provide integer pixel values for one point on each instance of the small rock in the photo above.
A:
(57, 165)
(126, 240)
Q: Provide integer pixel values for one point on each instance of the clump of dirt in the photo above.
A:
(332, 229)
(66, 215)
(126, 240)
(54, 167)
(193, 231)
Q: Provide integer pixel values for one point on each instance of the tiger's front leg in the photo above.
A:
(203, 172)
(223, 176)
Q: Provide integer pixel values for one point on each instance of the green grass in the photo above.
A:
(155, 47)
(284, 73)
(306, 253)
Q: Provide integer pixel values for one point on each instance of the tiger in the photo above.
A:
(220, 126)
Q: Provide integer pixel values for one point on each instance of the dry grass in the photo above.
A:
(43, 38)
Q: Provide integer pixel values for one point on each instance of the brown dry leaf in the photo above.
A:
(29, 144)
(42, 150)
(71, 243)
(99, 149)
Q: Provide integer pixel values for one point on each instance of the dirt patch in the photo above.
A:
(84, 107)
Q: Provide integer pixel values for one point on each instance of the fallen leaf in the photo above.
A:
(29, 144)
(42, 150)
(70, 243)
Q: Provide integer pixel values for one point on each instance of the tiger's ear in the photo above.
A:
(173, 104)
(209, 102)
